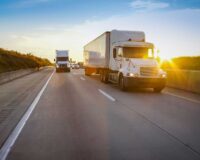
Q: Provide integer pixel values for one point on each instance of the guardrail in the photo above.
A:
(9, 76)
(188, 80)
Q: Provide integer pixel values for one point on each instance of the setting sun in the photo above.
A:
(165, 57)
(99, 79)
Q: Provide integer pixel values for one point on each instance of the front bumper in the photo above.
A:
(144, 82)
(63, 69)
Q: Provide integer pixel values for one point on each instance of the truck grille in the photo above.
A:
(62, 65)
(148, 71)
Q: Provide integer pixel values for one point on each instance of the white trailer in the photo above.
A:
(62, 61)
(125, 58)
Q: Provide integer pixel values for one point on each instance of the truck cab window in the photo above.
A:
(62, 59)
(150, 53)
(120, 52)
(137, 52)
(114, 52)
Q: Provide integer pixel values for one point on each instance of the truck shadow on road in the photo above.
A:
(135, 90)
(129, 90)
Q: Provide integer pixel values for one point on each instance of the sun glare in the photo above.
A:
(165, 57)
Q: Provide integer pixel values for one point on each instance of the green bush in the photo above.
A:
(187, 63)
(12, 60)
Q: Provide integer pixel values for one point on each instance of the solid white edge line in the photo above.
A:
(4, 151)
(107, 95)
(82, 78)
(188, 99)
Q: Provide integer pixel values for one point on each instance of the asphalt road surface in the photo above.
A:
(80, 118)
(15, 98)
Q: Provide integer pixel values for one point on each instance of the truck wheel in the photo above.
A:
(101, 76)
(121, 83)
(158, 89)
(105, 77)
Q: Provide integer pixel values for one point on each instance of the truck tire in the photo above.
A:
(105, 77)
(101, 76)
(158, 89)
(121, 83)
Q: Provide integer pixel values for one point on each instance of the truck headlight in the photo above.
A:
(163, 75)
(131, 74)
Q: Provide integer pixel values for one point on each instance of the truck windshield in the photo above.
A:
(137, 52)
(62, 59)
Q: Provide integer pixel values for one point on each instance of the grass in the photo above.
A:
(12, 60)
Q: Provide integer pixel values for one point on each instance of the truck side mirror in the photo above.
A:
(114, 53)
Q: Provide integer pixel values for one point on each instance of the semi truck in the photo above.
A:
(124, 58)
(62, 61)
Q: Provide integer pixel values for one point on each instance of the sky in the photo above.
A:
(42, 26)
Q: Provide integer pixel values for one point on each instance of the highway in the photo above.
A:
(79, 118)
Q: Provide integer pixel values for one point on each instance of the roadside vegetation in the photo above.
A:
(187, 63)
(12, 60)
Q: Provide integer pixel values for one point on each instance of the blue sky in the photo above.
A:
(74, 11)
(41, 26)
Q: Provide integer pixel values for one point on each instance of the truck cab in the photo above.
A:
(137, 65)
(62, 61)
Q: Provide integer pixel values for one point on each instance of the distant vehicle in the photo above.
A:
(74, 66)
(80, 64)
(124, 58)
(62, 61)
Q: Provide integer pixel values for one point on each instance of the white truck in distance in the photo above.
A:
(62, 61)
(123, 57)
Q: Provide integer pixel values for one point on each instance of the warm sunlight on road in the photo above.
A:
(99, 79)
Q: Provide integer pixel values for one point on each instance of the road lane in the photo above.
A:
(15, 97)
(73, 120)
(17, 130)
(177, 116)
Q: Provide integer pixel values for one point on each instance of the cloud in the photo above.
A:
(174, 32)
(148, 4)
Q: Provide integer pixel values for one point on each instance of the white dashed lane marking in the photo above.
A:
(107, 95)
(83, 79)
